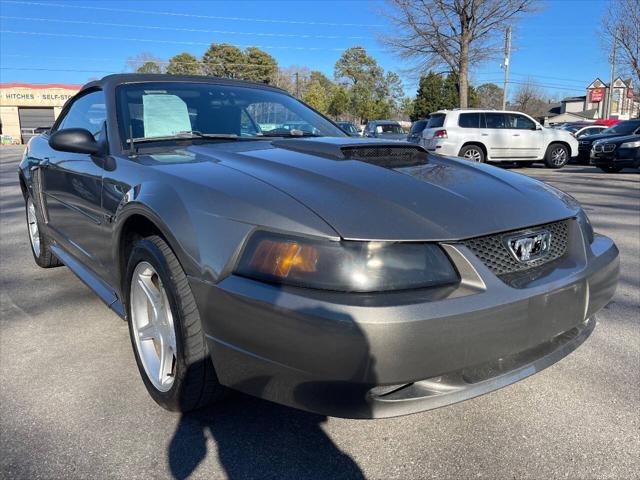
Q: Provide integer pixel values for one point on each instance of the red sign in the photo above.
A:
(597, 95)
(629, 93)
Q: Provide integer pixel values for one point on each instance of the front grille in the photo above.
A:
(492, 250)
(604, 147)
(387, 156)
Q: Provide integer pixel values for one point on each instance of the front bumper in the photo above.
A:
(619, 158)
(368, 356)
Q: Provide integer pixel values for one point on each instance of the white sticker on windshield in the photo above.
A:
(164, 115)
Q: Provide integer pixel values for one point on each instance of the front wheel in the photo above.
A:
(38, 240)
(473, 153)
(166, 331)
(557, 156)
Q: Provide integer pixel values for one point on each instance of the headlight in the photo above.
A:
(344, 266)
(585, 226)
(635, 144)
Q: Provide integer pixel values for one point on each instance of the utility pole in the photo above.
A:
(613, 73)
(507, 56)
(297, 74)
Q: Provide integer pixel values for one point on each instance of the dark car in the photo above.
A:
(386, 129)
(627, 127)
(351, 277)
(349, 128)
(613, 154)
(415, 134)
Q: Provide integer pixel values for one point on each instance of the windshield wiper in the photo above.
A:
(189, 134)
(294, 135)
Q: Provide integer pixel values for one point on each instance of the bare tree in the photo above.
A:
(623, 17)
(530, 99)
(145, 62)
(454, 34)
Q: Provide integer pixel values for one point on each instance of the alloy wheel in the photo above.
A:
(473, 154)
(153, 326)
(558, 156)
(34, 233)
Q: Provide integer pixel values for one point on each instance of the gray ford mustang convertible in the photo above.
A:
(251, 244)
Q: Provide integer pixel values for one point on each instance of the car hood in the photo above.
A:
(624, 138)
(601, 136)
(427, 198)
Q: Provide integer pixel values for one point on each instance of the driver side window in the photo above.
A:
(88, 112)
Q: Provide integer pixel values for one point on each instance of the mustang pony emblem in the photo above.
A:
(529, 247)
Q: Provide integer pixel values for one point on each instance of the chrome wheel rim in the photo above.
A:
(558, 156)
(34, 233)
(473, 154)
(153, 327)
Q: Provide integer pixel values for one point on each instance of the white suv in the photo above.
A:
(492, 135)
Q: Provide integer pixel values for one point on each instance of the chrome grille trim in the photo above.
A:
(492, 250)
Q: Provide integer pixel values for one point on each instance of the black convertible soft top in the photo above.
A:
(112, 81)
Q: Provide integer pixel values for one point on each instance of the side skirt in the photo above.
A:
(91, 280)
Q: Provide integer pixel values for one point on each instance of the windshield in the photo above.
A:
(418, 126)
(165, 110)
(436, 120)
(622, 128)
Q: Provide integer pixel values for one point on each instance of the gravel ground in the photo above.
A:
(72, 404)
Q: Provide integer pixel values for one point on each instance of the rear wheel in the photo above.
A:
(610, 169)
(166, 331)
(557, 156)
(38, 240)
(473, 153)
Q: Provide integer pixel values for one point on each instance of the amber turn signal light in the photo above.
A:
(281, 258)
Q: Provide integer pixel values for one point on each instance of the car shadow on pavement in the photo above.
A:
(258, 439)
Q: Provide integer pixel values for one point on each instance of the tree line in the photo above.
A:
(360, 89)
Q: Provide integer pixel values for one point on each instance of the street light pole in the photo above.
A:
(507, 55)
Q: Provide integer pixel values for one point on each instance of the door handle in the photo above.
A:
(484, 134)
(516, 134)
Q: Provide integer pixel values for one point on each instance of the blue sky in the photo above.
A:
(68, 42)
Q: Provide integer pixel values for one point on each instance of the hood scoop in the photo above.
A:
(381, 153)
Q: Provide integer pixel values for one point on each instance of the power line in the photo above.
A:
(192, 15)
(178, 29)
(174, 42)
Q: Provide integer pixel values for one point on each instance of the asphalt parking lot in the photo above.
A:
(72, 404)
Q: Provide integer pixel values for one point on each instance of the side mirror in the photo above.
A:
(538, 127)
(74, 140)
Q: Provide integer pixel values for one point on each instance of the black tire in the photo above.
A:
(610, 169)
(473, 153)
(550, 158)
(195, 383)
(45, 257)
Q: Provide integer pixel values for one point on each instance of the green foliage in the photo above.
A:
(266, 71)
(340, 101)
(183, 64)
(438, 93)
(223, 60)
(428, 97)
(317, 96)
(355, 66)
(149, 67)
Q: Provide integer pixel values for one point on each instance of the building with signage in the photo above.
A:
(24, 108)
(625, 103)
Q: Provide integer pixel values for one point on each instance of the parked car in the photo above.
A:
(587, 130)
(415, 134)
(349, 128)
(613, 154)
(351, 277)
(627, 127)
(497, 136)
(386, 129)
